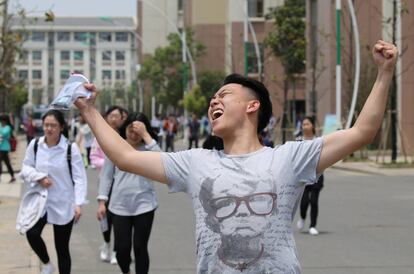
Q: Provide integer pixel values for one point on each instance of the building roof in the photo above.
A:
(77, 23)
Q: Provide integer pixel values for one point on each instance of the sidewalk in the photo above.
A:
(373, 168)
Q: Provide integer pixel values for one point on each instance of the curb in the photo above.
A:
(363, 171)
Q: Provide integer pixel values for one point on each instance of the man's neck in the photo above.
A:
(241, 144)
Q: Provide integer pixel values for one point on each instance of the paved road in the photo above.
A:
(366, 225)
(365, 222)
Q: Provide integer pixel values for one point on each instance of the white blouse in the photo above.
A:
(63, 194)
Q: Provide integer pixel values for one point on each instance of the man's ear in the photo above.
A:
(253, 106)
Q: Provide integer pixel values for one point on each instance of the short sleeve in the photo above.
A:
(177, 169)
(305, 158)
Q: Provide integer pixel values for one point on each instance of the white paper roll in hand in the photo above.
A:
(72, 90)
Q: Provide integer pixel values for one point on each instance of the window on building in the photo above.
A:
(36, 55)
(252, 66)
(120, 74)
(63, 36)
(299, 106)
(180, 5)
(36, 74)
(255, 8)
(37, 96)
(65, 55)
(64, 74)
(80, 36)
(38, 36)
(78, 55)
(106, 55)
(23, 55)
(107, 74)
(105, 36)
(121, 36)
(120, 55)
(23, 75)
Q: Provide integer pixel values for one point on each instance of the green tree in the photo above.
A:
(164, 69)
(210, 81)
(10, 45)
(18, 97)
(194, 101)
(287, 41)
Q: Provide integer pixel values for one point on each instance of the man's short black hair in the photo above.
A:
(265, 110)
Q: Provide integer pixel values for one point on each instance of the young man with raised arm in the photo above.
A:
(244, 196)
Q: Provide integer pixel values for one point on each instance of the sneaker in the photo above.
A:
(12, 180)
(300, 224)
(104, 255)
(113, 258)
(313, 231)
(47, 269)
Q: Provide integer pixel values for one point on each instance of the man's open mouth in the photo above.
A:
(217, 114)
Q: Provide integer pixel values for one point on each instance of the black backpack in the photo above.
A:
(68, 156)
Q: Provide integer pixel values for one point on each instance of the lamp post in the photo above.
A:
(249, 26)
(245, 36)
(180, 34)
(338, 64)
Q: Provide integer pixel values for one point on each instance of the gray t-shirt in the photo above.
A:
(244, 204)
(131, 194)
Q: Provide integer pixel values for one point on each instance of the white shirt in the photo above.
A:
(63, 194)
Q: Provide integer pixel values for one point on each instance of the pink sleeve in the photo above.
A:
(97, 155)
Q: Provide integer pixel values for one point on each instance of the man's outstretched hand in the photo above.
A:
(83, 103)
(385, 55)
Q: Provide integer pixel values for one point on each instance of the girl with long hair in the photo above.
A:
(133, 200)
(310, 195)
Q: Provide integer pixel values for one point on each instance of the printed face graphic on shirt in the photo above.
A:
(239, 210)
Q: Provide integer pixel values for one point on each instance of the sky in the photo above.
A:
(77, 7)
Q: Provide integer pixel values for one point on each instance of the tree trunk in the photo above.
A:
(7, 58)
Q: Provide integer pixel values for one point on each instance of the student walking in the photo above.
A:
(29, 128)
(114, 116)
(311, 193)
(244, 196)
(6, 131)
(55, 164)
(194, 131)
(133, 201)
(170, 129)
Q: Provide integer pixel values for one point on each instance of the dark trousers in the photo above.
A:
(88, 155)
(62, 236)
(134, 230)
(169, 142)
(4, 157)
(191, 140)
(310, 196)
